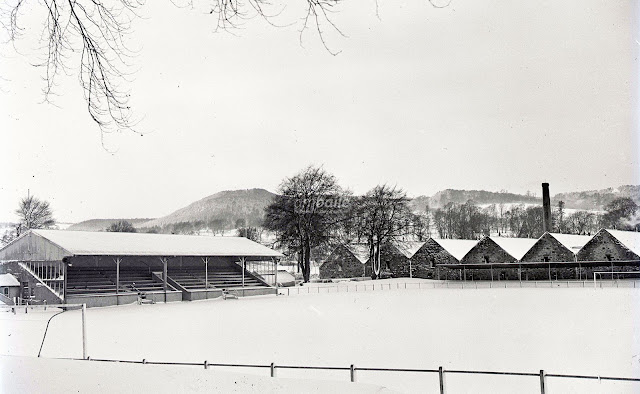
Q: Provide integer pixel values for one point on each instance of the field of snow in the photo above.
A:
(564, 331)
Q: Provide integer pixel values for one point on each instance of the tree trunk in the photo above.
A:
(306, 273)
(372, 259)
(377, 259)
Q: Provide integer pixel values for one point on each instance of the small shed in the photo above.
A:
(9, 288)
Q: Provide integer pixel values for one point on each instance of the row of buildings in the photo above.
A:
(552, 256)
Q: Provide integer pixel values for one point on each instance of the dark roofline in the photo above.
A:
(542, 264)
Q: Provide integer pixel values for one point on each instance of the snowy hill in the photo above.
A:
(101, 224)
(226, 206)
(598, 199)
(594, 200)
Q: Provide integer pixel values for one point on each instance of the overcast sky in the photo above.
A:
(479, 95)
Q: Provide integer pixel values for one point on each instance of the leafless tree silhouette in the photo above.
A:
(91, 32)
(90, 35)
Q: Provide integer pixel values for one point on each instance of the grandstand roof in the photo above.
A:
(572, 242)
(457, 247)
(516, 247)
(630, 239)
(8, 280)
(85, 243)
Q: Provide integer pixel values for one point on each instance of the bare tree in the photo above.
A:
(306, 213)
(91, 33)
(34, 213)
(121, 226)
(89, 36)
(97, 31)
(385, 217)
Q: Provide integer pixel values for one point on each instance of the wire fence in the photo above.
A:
(352, 370)
(347, 287)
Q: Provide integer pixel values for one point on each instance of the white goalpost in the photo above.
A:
(613, 275)
(54, 310)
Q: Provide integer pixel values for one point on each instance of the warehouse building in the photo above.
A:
(347, 261)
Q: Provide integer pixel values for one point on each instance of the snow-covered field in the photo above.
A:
(564, 331)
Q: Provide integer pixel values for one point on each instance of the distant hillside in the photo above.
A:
(598, 199)
(480, 197)
(101, 224)
(588, 200)
(227, 206)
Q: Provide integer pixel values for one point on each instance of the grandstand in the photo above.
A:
(102, 268)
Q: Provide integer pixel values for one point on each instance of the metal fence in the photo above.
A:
(360, 287)
(352, 370)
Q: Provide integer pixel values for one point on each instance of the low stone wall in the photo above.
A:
(194, 295)
(98, 300)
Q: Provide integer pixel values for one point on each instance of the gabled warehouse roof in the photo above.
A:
(572, 242)
(630, 239)
(457, 247)
(360, 251)
(85, 243)
(408, 248)
(516, 247)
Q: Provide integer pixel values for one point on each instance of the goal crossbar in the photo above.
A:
(612, 273)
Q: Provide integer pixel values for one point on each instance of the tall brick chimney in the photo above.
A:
(546, 208)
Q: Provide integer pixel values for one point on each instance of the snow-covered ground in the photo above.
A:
(567, 331)
(66, 376)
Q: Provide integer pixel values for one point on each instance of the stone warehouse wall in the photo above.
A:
(392, 259)
(487, 248)
(341, 263)
(604, 247)
(427, 257)
(550, 249)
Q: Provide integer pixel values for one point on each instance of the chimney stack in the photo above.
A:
(546, 208)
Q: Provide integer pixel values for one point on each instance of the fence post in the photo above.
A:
(84, 332)
(352, 369)
(441, 378)
(272, 367)
(542, 381)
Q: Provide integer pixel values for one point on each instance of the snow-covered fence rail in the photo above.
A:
(348, 287)
(352, 369)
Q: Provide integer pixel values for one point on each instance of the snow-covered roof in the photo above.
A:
(573, 242)
(285, 276)
(8, 280)
(457, 247)
(408, 248)
(88, 243)
(630, 239)
(516, 247)
(360, 251)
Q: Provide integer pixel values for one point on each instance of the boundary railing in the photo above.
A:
(272, 367)
(349, 287)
